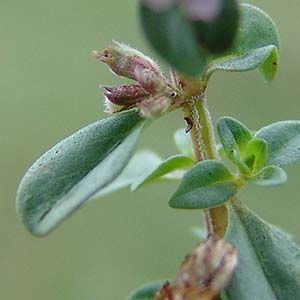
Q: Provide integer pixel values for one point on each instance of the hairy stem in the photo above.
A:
(202, 135)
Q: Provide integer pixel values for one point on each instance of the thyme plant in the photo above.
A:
(243, 257)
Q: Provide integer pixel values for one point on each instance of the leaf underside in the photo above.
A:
(256, 45)
(269, 261)
(71, 172)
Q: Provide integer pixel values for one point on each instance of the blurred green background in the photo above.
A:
(49, 89)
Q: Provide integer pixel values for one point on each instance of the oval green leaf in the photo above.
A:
(207, 184)
(283, 139)
(172, 36)
(171, 164)
(256, 45)
(71, 172)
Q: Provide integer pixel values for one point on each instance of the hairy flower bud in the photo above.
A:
(154, 107)
(125, 95)
(152, 94)
(203, 274)
(149, 80)
(123, 60)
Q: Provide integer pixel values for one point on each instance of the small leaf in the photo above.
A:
(184, 143)
(269, 176)
(146, 292)
(207, 184)
(246, 62)
(258, 149)
(234, 137)
(172, 36)
(71, 172)
(140, 164)
(283, 139)
(266, 252)
(269, 68)
(256, 45)
(173, 163)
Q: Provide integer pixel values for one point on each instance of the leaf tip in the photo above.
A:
(173, 203)
(269, 68)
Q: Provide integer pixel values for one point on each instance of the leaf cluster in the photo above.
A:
(100, 158)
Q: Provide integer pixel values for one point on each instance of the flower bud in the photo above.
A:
(125, 95)
(149, 80)
(154, 107)
(203, 274)
(123, 60)
(153, 94)
(212, 265)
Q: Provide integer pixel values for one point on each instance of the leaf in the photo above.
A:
(249, 61)
(283, 139)
(147, 291)
(207, 184)
(270, 176)
(258, 149)
(184, 143)
(269, 67)
(216, 29)
(256, 45)
(249, 281)
(173, 163)
(234, 137)
(71, 172)
(172, 36)
(140, 164)
(269, 261)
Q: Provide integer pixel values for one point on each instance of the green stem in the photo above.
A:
(207, 129)
(202, 134)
